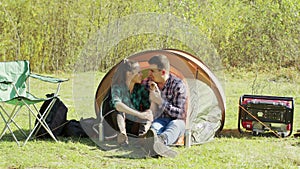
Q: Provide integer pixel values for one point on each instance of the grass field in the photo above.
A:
(229, 150)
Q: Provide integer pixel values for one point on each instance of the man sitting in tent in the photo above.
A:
(171, 99)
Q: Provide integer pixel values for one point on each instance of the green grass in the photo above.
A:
(229, 150)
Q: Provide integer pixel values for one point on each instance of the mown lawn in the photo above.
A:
(229, 150)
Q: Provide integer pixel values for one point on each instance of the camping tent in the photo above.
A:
(206, 103)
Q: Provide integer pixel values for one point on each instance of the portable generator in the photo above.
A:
(266, 114)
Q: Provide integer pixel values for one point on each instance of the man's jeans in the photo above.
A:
(172, 129)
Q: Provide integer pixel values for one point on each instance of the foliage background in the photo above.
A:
(254, 34)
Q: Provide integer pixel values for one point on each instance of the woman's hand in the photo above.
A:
(147, 115)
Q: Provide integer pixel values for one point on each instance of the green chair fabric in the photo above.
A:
(13, 74)
(14, 91)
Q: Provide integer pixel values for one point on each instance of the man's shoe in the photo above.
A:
(150, 138)
(163, 150)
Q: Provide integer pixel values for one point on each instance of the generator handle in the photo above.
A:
(264, 97)
(268, 97)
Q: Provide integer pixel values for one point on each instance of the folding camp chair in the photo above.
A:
(14, 90)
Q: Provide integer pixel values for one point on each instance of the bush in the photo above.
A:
(53, 34)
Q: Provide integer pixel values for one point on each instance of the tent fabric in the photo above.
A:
(204, 113)
(206, 102)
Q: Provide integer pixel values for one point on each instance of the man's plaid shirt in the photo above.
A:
(174, 95)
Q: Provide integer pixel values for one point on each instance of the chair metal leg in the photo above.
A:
(42, 122)
(10, 130)
(44, 115)
(9, 121)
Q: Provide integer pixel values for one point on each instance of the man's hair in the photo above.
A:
(161, 61)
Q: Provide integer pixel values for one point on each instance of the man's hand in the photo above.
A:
(153, 86)
(155, 97)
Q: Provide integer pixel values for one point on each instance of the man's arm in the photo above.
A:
(174, 105)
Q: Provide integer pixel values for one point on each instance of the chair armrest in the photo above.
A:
(48, 78)
(4, 84)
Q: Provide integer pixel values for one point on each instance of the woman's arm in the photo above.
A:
(121, 107)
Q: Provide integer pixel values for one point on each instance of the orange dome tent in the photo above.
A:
(206, 103)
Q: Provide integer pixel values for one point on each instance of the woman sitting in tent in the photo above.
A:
(131, 100)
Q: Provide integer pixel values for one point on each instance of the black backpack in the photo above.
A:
(56, 118)
(73, 128)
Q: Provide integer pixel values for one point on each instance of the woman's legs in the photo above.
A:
(122, 137)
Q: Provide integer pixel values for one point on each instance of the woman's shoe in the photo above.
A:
(122, 139)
